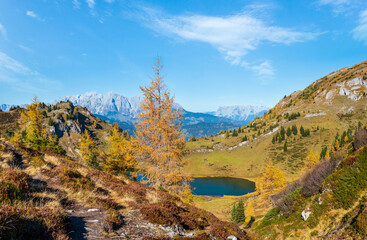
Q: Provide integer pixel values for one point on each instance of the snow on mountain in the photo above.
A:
(240, 113)
(6, 107)
(108, 103)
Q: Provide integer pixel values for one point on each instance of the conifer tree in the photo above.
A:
(271, 182)
(88, 149)
(234, 133)
(282, 133)
(302, 131)
(234, 213)
(33, 118)
(121, 155)
(226, 134)
(289, 132)
(240, 212)
(311, 160)
(294, 130)
(249, 211)
(285, 147)
(158, 132)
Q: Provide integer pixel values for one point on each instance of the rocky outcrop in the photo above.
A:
(60, 128)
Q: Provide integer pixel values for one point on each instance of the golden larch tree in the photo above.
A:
(272, 181)
(311, 160)
(121, 156)
(87, 147)
(249, 211)
(32, 117)
(158, 132)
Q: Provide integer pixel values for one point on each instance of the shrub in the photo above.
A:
(14, 185)
(113, 221)
(105, 203)
(32, 223)
(74, 180)
(287, 203)
(309, 184)
(314, 178)
(355, 176)
(360, 138)
(271, 214)
(360, 224)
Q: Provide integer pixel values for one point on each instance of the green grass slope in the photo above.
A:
(327, 107)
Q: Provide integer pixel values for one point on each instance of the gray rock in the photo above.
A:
(306, 214)
(231, 237)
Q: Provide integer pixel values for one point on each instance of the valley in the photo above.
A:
(305, 144)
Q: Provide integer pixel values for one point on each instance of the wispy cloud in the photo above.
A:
(21, 78)
(26, 48)
(3, 31)
(345, 7)
(76, 4)
(335, 2)
(90, 3)
(360, 32)
(234, 36)
(33, 15)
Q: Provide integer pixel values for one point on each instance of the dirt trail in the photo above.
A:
(86, 223)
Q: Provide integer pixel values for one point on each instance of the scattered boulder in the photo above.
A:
(231, 237)
(306, 214)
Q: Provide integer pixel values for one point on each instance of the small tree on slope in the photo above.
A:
(158, 132)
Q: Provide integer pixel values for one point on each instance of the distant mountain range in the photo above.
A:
(240, 113)
(123, 110)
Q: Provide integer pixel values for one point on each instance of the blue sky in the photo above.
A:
(215, 52)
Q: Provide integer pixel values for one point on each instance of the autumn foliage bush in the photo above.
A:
(32, 223)
(113, 221)
(14, 185)
(75, 181)
(308, 185)
(360, 138)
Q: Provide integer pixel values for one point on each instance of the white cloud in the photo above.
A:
(360, 32)
(33, 15)
(90, 3)
(21, 78)
(234, 36)
(334, 2)
(340, 6)
(264, 69)
(76, 4)
(3, 31)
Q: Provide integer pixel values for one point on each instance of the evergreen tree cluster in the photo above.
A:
(238, 212)
(292, 116)
(293, 130)
(304, 132)
(323, 152)
(340, 141)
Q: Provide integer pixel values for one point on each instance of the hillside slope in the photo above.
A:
(49, 193)
(329, 106)
(328, 202)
